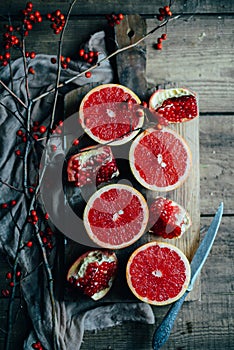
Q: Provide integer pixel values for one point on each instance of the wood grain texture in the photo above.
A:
(198, 55)
(100, 7)
(217, 162)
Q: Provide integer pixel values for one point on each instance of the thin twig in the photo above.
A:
(13, 94)
(10, 186)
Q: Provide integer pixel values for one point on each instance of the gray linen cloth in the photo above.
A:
(72, 319)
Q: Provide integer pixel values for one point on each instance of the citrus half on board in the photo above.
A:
(160, 159)
(168, 219)
(175, 105)
(158, 273)
(108, 114)
(116, 216)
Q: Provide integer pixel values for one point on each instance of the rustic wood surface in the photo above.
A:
(199, 55)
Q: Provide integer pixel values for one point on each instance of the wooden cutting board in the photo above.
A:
(131, 66)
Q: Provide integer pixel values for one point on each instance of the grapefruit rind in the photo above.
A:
(125, 138)
(182, 256)
(159, 96)
(125, 243)
(135, 172)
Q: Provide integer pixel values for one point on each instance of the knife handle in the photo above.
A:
(163, 331)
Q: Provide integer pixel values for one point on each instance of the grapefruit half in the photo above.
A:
(175, 105)
(158, 273)
(116, 216)
(108, 114)
(160, 159)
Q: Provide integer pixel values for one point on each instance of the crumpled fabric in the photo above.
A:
(72, 319)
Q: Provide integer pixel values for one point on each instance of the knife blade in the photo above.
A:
(162, 333)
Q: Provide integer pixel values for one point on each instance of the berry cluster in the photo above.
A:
(29, 18)
(88, 56)
(6, 292)
(158, 45)
(7, 205)
(114, 19)
(11, 40)
(58, 21)
(47, 237)
(37, 130)
(37, 345)
(163, 12)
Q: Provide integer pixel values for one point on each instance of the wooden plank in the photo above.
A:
(100, 7)
(217, 161)
(199, 55)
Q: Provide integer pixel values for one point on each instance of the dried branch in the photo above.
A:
(164, 23)
(13, 94)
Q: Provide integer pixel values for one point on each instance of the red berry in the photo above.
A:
(164, 36)
(81, 52)
(31, 190)
(64, 65)
(53, 148)
(160, 40)
(42, 129)
(158, 46)
(11, 284)
(7, 55)
(167, 9)
(29, 244)
(18, 274)
(162, 11)
(13, 202)
(75, 142)
(85, 56)
(120, 16)
(33, 212)
(4, 63)
(160, 17)
(46, 216)
(31, 70)
(8, 275)
(19, 132)
(88, 74)
(37, 14)
(68, 60)
(18, 152)
(53, 60)
(91, 53)
(4, 205)
(32, 54)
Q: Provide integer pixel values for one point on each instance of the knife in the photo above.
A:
(162, 333)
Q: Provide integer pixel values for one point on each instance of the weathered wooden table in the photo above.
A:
(199, 55)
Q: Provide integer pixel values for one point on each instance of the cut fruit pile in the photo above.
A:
(158, 273)
(117, 215)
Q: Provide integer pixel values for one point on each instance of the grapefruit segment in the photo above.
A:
(158, 273)
(160, 159)
(168, 219)
(175, 105)
(108, 114)
(116, 216)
